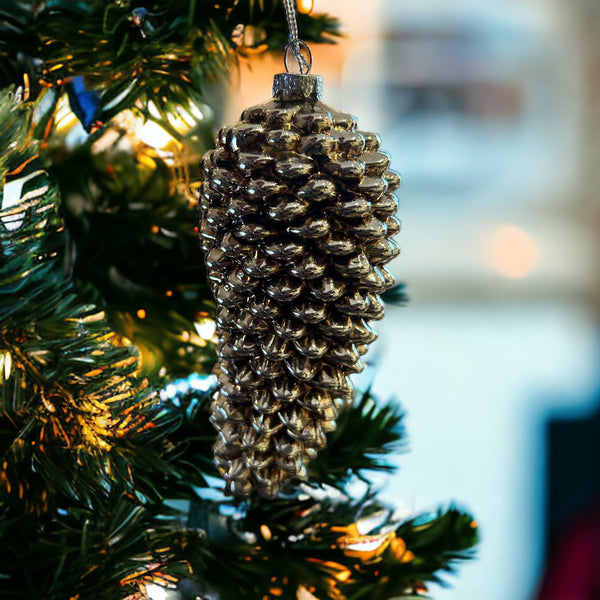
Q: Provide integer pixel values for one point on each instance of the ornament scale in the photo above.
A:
(296, 220)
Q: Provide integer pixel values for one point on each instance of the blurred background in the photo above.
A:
(491, 111)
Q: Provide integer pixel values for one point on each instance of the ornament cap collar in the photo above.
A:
(293, 86)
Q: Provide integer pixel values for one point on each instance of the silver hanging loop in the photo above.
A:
(295, 45)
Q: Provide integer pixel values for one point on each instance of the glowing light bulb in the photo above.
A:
(156, 592)
(180, 120)
(266, 532)
(154, 135)
(206, 328)
(6, 364)
(304, 594)
(343, 575)
(305, 6)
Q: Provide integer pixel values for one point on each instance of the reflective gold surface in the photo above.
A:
(297, 213)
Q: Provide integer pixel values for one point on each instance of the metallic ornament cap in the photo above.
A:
(292, 86)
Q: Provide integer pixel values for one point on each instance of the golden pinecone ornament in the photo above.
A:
(297, 216)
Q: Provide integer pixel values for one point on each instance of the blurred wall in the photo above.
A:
(491, 111)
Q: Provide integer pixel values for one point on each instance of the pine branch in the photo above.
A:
(188, 437)
(17, 43)
(137, 52)
(396, 295)
(79, 454)
(337, 547)
(15, 126)
(125, 203)
(69, 379)
(439, 541)
(365, 432)
(268, 17)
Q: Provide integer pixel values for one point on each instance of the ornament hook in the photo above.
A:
(295, 45)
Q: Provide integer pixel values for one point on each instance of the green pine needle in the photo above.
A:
(396, 295)
(365, 433)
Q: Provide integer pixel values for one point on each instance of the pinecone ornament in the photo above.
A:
(297, 216)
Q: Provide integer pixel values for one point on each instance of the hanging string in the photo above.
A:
(295, 44)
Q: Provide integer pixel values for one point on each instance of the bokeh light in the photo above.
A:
(305, 6)
(513, 252)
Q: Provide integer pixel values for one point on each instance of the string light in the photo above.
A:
(305, 6)
(6, 364)
(206, 328)
(343, 575)
(180, 120)
(68, 125)
(195, 382)
(156, 592)
(153, 135)
(266, 532)
(304, 594)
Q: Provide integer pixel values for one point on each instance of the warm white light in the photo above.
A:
(156, 592)
(65, 118)
(304, 594)
(67, 124)
(154, 135)
(206, 328)
(185, 119)
(374, 521)
(6, 364)
(370, 545)
(513, 252)
(181, 120)
(305, 6)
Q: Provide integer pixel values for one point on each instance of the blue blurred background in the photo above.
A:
(491, 111)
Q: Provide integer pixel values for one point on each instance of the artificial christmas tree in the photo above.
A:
(107, 335)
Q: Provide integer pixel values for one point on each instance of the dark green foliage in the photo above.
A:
(365, 434)
(66, 397)
(438, 541)
(134, 237)
(116, 208)
(300, 539)
(159, 51)
(396, 295)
